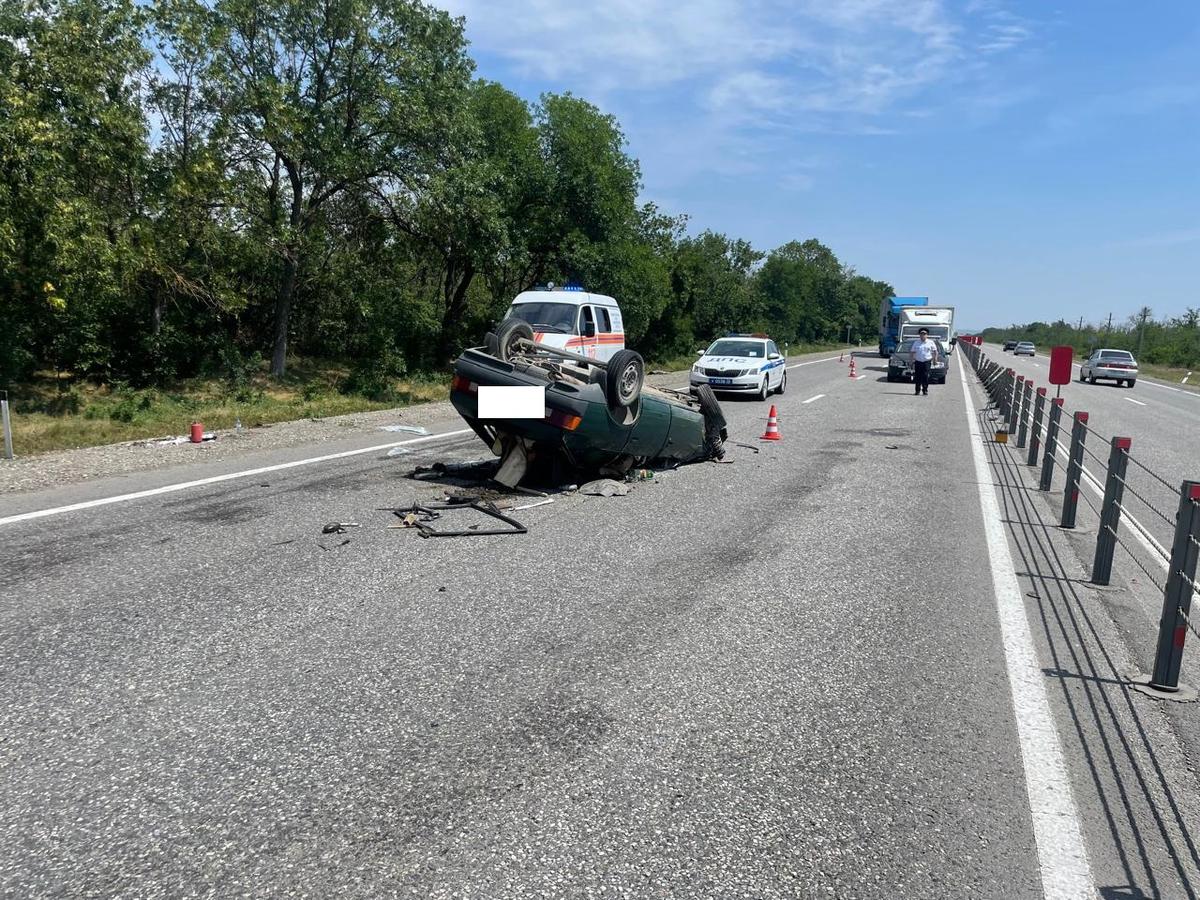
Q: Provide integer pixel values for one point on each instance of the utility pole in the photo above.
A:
(1108, 327)
(1145, 313)
(1079, 327)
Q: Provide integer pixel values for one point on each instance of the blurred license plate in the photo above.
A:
(720, 381)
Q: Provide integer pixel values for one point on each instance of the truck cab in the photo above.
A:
(571, 318)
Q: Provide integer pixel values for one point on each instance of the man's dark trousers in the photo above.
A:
(921, 376)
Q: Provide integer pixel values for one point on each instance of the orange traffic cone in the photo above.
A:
(842, 356)
(772, 432)
(852, 367)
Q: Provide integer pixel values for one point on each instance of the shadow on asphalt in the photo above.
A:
(1149, 833)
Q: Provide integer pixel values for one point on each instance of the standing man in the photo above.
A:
(924, 352)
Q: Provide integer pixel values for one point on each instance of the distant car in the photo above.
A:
(1024, 348)
(742, 363)
(1010, 345)
(900, 367)
(1118, 365)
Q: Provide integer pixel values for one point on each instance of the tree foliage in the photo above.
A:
(1173, 341)
(192, 185)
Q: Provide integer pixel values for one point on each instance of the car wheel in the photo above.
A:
(765, 390)
(509, 334)
(714, 423)
(782, 384)
(1081, 378)
(1091, 379)
(1131, 382)
(626, 375)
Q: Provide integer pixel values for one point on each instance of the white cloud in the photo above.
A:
(726, 81)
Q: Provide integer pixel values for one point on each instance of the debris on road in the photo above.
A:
(399, 451)
(407, 429)
(604, 487)
(475, 470)
(338, 527)
(532, 505)
(420, 516)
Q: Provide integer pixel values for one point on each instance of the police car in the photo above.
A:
(743, 364)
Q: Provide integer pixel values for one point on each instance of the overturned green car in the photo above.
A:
(599, 416)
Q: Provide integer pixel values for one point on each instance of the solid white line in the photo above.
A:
(859, 377)
(811, 399)
(217, 479)
(1061, 853)
(812, 362)
(1138, 402)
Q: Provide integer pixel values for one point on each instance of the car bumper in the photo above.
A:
(1120, 374)
(743, 383)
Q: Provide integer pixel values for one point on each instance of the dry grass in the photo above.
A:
(55, 414)
(1171, 376)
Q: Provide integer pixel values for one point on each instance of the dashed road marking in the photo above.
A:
(811, 399)
(1061, 852)
(1138, 402)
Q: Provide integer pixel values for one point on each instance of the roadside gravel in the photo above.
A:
(73, 466)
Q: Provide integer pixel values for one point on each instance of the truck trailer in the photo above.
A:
(889, 320)
(937, 320)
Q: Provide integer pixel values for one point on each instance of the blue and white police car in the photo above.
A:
(742, 363)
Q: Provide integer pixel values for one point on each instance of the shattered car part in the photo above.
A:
(420, 516)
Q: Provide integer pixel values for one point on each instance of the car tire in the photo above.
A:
(1091, 379)
(765, 391)
(508, 333)
(1081, 378)
(714, 423)
(782, 384)
(626, 374)
(1131, 382)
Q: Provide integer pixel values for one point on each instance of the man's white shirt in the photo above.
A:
(924, 351)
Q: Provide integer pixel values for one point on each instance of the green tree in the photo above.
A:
(73, 145)
(325, 96)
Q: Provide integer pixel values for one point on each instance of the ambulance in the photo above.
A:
(571, 318)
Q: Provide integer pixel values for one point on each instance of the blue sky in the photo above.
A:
(1018, 160)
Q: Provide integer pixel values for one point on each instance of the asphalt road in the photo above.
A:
(780, 677)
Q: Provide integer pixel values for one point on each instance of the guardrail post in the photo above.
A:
(1074, 470)
(8, 448)
(1056, 407)
(1177, 598)
(1035, 439)
(1110, 509)
(1006, 395)
(1026, 401)
(1018, 394)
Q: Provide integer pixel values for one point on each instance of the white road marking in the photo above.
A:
(1147, 381)
(811, 399)
(1140, 531)
(1061, 852)
(859, 377)
(813, 362)
(1138, 402)
(217, 479)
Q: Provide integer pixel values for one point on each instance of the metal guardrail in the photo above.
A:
(1011, 395)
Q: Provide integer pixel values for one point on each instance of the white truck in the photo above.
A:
(937, 320)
